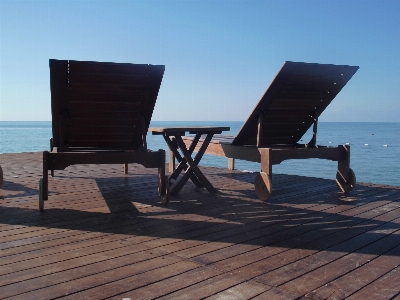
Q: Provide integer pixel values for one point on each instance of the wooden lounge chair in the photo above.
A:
(100, 115)
(295, 99)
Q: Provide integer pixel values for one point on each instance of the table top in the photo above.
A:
(190, 129)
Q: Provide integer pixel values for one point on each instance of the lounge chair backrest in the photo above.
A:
(102, 106)
(298, 95)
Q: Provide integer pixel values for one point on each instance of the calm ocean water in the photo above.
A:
(375, 148)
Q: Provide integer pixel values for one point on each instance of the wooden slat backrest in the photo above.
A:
(102, 105)
(299, 93)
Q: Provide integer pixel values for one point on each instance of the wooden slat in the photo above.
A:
(295, 103)
(105, 106)
(98, 87)
(370, 247)
(319, 76)
(370, 272)
(101, 128)
(282, 140)
(386, 287)
(299, 68)
(296, 84)
(303, 113)
(302, 95)
(109, 79)
(132, 97)
(103, 131)
(282, 119)
(99, 136)
(114, 68)
(171, 284)
(272, 134)
(77, 108)
(102, 119)
(237, 256)
(59, 94)
(112, 144)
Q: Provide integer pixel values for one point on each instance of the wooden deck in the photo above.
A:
(104, 234)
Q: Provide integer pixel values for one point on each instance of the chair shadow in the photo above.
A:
(12, 189)
(232, 216)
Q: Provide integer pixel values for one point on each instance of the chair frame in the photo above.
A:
(259, 141)
(64, 153)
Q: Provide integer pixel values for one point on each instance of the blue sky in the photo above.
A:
(220, 56)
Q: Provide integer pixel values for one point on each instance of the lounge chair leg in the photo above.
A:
(51, 150)
(345, 177)
(266, 165)
(44, 183)
(348, 185)
(163, 181)
(231, 163)
(165, 196)
(171, 165)
(263, 181)
(1, 176)
(263, 186)
(41, 201)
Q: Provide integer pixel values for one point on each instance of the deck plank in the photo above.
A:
(104, 234)
(342, 287)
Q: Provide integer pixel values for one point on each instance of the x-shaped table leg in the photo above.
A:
(192, 171)
(173, 146)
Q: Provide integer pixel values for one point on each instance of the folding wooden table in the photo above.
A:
(178, 150)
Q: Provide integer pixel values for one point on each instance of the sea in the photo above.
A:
(375, 147)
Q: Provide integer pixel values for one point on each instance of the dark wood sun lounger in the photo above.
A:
(100, 115)
(295, 99)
